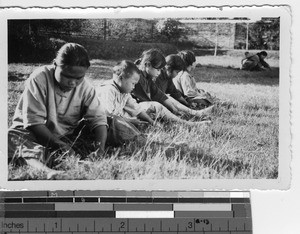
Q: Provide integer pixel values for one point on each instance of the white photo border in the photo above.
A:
(284, 175)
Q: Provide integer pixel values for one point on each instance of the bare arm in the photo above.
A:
(144, 116)
(45, 137)
(100, 137)
(167, 103)
(183, 101)
(265, 64)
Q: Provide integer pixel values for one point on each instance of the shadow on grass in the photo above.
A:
(15, 76)
(218, 74)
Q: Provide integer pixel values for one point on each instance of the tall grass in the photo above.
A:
(242, 141)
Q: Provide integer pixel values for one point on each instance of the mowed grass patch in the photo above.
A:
(241, 142)
(248, 116)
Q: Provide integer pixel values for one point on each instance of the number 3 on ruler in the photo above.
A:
(190, 225)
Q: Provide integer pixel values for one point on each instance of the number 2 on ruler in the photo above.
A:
(122, 225)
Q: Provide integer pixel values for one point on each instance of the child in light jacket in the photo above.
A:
(187, 85)
(55, 101)
(116, 98)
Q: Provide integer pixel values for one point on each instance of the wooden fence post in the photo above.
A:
(247, 37)
(216, 40)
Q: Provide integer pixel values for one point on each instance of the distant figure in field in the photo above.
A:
(255, 62)
(247, 55)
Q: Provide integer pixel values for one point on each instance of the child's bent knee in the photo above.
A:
(158, 106)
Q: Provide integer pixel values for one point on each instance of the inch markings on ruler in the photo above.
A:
(59, 212)
(129, 225)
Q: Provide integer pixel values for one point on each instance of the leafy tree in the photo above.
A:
(30, 40)
(170, 29)
(264, 34)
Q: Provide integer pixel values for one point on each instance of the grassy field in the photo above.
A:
(242, 142)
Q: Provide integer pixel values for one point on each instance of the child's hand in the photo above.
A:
(60, 154)
(64, 147)
(158, 125)
(181, 113)
(139, 123)
(67, 149)
(176, 111)
(143, 123)
(98, 153)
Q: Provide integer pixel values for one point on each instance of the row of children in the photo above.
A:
(60, 113)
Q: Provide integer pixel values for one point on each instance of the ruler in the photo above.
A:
(125, 212)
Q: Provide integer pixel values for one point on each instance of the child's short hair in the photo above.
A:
(264, 53)
(188, 57)
(174, 62)
(125, 69)
(154, 57)
(72, 54)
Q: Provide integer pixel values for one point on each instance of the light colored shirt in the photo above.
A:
(186, 84)
(43, 102)
(117, 103)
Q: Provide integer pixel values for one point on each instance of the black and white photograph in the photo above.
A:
(189, 95)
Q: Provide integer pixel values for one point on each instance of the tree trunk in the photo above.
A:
(247, 37)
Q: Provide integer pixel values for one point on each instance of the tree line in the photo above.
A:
(43, 35)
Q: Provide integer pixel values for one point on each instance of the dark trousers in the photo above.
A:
(22, 143)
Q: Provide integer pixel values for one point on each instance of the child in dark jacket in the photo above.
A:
(146, 92)
(255, 62)
(174, 65)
